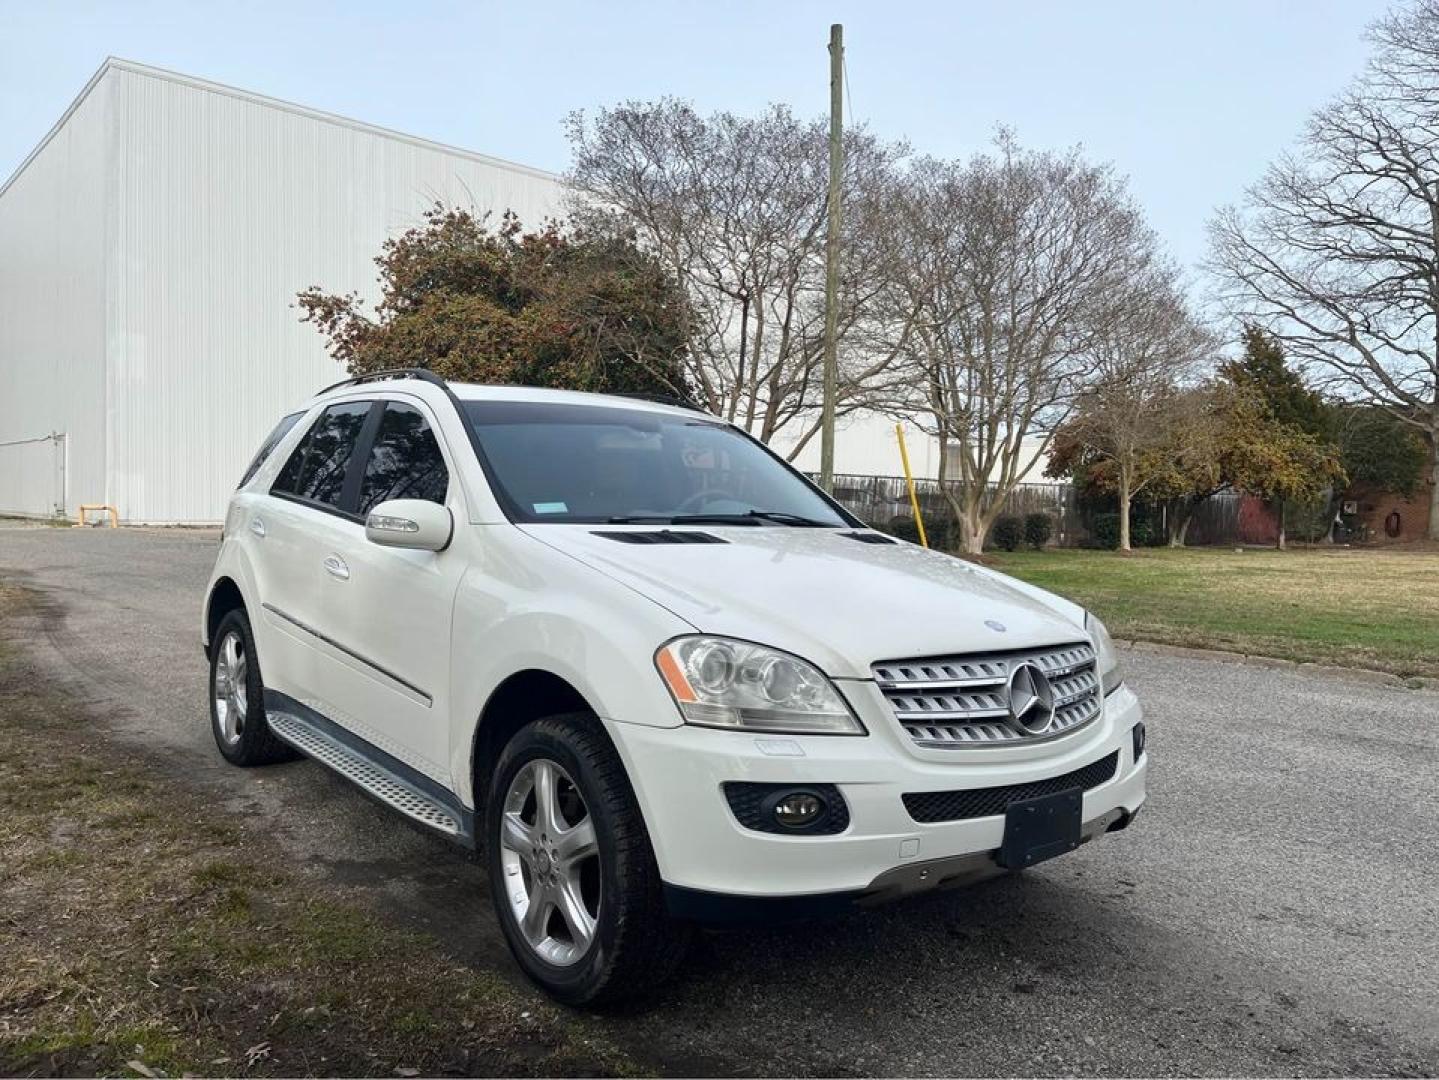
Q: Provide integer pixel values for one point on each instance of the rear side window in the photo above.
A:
(271, 441)
(405, 462)
(316, 470)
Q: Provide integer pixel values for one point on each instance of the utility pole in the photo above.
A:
(831, 256)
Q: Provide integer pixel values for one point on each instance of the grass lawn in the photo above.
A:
(144, 930)
(1360, 608)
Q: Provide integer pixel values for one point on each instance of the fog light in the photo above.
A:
(788, 809)
(798, 809)
(1138, 734)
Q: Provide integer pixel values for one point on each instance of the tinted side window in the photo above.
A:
(405, 462)
(281, 430)
(285, 482)
(316, 470)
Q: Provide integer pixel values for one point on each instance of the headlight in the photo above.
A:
(1106, 657)
(720, 682)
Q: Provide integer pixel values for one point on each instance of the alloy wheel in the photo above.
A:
(551, 862)
(229, 688)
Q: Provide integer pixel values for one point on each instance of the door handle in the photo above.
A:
(257, 526)
(335, 567)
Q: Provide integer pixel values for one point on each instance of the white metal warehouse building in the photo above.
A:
(150, 251)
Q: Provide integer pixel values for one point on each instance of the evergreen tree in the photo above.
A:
(1264, 370)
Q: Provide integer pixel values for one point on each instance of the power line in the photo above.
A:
(848, 101)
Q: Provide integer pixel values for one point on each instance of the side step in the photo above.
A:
(373, 778)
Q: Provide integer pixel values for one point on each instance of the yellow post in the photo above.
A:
(909, 479)
(114, 514)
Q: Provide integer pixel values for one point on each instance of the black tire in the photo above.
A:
(253, 743)
(636, 946)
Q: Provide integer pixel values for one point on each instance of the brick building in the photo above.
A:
(1390, 518)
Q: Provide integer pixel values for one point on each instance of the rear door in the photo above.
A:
(392, 607)
(293, 533)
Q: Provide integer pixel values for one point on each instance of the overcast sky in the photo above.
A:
(1189, 100)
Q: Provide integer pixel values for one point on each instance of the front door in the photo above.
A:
(388, 610)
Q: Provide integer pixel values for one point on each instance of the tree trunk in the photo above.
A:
(971, 522)
(1185, 510)
(973, 541)
(1433, 442)
(1179, 513)
(1124, 513)
(1280, 543)
(1177, 538)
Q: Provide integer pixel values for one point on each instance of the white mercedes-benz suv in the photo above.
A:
(644, 666)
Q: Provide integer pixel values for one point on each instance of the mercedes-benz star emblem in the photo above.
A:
(1031, 700)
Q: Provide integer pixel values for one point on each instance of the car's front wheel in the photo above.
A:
(571, 869)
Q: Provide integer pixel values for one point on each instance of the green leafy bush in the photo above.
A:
(940, 529)
(1038, 528)
(904, 528)
(1008, 532)
(1104, 531)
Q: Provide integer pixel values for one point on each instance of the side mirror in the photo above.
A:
(410, 523)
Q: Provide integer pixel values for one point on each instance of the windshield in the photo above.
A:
(594, 463)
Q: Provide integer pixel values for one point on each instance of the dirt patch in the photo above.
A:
(145, 934)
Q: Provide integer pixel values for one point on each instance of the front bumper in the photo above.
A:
(704, 853)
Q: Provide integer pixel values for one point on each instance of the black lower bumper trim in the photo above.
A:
(696, 905)
(910, 879)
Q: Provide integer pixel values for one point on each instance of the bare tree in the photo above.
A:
(1010, 261)
(1132, 423)
(1336, 250)
(735, 207)
(1190, 468)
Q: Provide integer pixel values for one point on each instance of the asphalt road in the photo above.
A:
(1275, 910)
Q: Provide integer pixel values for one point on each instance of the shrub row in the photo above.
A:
(1034, 529)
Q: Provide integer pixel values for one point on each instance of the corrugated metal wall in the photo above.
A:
(32, 475)
(221, 206)
(52, 314)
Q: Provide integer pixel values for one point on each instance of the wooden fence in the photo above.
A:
(878, 500)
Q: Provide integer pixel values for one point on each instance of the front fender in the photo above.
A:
(524, 606)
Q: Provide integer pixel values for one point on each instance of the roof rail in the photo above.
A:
(423, 374)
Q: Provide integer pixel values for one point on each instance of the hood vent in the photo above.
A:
(662, 536)
(869, 537)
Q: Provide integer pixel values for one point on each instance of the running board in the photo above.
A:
(380, 783)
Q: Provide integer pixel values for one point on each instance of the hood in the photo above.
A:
(820, 594)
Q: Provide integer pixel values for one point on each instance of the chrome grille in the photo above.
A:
(962, 701)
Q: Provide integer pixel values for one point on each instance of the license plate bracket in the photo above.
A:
(1041, 828)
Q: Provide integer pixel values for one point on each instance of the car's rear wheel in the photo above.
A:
(237, 697)
(571, 869)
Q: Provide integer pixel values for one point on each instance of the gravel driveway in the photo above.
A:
(1275, 910)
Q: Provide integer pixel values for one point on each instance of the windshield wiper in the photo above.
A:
(680, 519)
(749, 517)
(781, 517)
(683, 519)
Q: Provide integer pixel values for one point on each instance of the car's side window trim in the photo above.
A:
(360, 459)
(311, 504)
